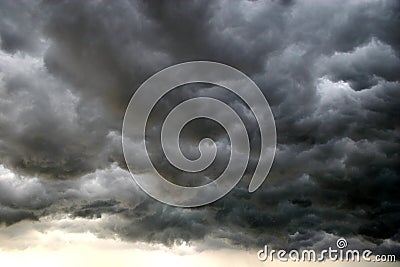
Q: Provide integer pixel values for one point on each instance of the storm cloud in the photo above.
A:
(330, 71)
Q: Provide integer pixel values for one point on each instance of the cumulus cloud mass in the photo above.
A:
(330, 71)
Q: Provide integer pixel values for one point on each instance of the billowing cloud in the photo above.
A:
(330, 71)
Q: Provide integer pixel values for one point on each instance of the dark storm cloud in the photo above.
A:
(330, 71)
(44, 129)
(10, 216)
(18, 26)
(363, 67)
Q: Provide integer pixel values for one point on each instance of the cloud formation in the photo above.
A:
(330, 71)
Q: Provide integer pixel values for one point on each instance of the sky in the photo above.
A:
(330, 71)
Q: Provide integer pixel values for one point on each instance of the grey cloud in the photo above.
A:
(363, 67)
(18, 26)
(329, 70)
(10, 216)
(44, 128)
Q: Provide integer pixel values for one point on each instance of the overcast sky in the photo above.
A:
(330, 71)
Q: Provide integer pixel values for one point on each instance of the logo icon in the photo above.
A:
(341, 243)
(152, 90)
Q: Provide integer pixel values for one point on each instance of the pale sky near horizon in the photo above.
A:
(84, 250)
(20, 245)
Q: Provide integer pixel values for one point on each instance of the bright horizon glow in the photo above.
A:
(23, 245)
